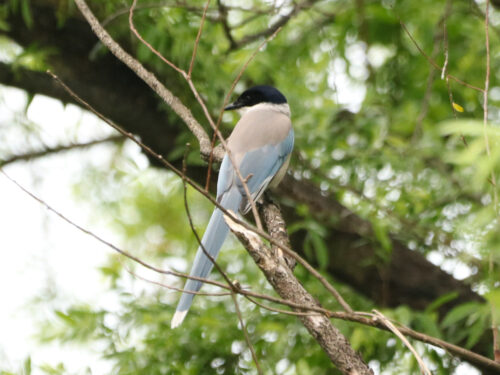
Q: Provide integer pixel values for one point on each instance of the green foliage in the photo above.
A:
(469, 321)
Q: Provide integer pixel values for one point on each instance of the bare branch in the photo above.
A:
(396, 331)
(225, 24)
(282, 21)
(160, 4)
(170, 287)
(435, 64)
(198, 36)
(147, 76)
(245, 332)
(439, 35)
(282, 279)
(54, 150)
(277, 229)
(109, 244)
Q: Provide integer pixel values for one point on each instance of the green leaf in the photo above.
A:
(26, 13)
(27, 366)
(445, 298)
(460, 313)
(320, 250)
(468, 127)
(382, 235)
(476, 331)
(428, 323)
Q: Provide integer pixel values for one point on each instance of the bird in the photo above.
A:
(260, 146)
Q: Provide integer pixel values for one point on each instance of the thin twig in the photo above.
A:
(279, 23)
(197, 41)
(445, 41)
(152, 5)
(438, 36)
(245, 332)
(143, 41)
(281, 311)
(433, 63)
(396, 331)
(109, 244)
(57, 149)
(446, 57)
(177, 106)
(170, 287)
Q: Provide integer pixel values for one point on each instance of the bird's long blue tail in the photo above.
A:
(212, 240)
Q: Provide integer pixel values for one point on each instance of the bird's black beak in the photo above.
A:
(233, 106)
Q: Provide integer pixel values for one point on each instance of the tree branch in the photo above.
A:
(284, 282)
(54, 150)
(282, 21)
(177, 106)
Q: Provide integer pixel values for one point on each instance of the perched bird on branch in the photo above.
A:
(260, 147)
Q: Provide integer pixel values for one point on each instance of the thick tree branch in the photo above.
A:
(284, 282)
(276, 227)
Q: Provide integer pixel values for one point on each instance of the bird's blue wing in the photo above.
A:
(226, 176)
(262, 164)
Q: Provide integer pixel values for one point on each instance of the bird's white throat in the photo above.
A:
(282, 108)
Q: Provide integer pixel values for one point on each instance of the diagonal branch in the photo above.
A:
(395, 330)
(435, 64)
(284, 282)
(177, 106)
(282, 21)
(57, 149)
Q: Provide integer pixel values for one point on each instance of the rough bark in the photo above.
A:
(284, 282)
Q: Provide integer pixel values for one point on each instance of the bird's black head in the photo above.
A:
(256, 95)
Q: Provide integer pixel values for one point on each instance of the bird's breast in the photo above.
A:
(257, 129)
